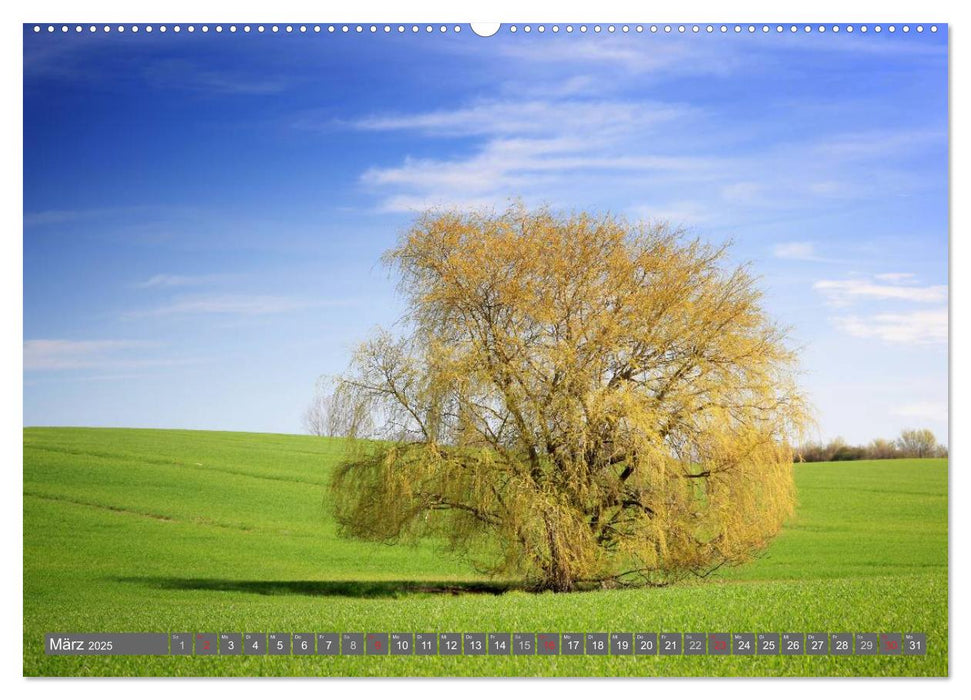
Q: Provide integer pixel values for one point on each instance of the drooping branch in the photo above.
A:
(596, 400)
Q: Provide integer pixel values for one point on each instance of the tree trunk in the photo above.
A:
(556, 574)
(557, 580)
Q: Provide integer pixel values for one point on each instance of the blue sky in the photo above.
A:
(204, 213)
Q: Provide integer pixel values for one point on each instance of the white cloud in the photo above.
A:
(923, 327)
(927, 327)
(582, 139)
(506, 166)
(542, 148)
(47, 354)
(529, 118)
(829, 188)
(185, 75)
(743, 192)
(896, 277)
(233, 305)
(179, 281)
(59, 216)
(568, 87)
(535, 148)
(926, 410)
(632, 55)
(538, 147)
(795, 251)
(845, 292)
(677, 213)
(879, 143)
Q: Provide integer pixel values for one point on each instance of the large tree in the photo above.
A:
(573, 399)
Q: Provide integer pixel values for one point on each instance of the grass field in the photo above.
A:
(183, 531)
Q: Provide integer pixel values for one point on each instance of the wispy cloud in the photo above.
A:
(880, 143)
(66, 216)
(632, 55)
(896, 277)
(902, 326)
(744, 192)
(567, 87)
(234, 305)
(186, 75)
(925, 410)
(53, 354)
(540, 148)
(886, 45)
(529, 118)
(845, 292)
(927, 327)
(796, 251)
(508, 166)
(59, 216)
(119, 214)
(528, 147)
(180, 281)
(667, 56)
(81, 378)
(678, 213)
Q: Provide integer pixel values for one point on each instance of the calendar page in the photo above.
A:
(519, 349)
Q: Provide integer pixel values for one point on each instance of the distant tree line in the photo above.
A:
(323, 417)
(911, 443)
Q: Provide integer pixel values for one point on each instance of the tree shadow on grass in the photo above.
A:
(351, 589)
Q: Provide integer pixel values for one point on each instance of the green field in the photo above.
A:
(185, 531)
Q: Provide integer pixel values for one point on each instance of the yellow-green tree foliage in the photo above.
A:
(573, 399)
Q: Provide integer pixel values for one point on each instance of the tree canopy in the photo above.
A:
(915, 442)
(573, 399)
